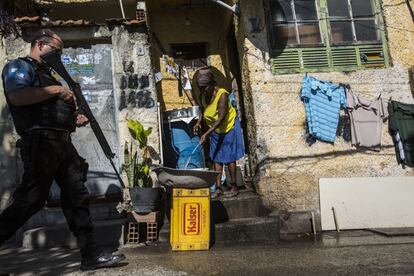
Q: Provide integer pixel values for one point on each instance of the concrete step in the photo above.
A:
(238, 230)
(241, 218)
(246, 205)
(52, 216)
(247, 230)
(107, 233)
(111, 233)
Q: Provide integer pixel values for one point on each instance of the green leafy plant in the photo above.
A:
(138, 169)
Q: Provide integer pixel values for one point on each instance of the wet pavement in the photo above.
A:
(346, 253)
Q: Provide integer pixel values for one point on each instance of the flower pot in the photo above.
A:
(145, 200)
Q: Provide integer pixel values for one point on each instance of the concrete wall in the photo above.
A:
(131, 52)
(9, 161)
(287, 168)
(134, 46)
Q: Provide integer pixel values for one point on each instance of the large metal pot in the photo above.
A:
(198, 178)
(189, 112)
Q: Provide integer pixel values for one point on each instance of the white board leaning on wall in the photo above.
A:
(367, 202)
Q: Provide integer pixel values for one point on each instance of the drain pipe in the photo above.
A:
(160, 132)
(235, 8)
(122, 9)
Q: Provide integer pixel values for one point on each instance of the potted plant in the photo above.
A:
(144, 197)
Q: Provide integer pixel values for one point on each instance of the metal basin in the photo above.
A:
(185, 178)
(182, 113)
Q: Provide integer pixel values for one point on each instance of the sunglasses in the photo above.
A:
(58, 50)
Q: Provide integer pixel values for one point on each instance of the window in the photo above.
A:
(352, 21)
(325, 35)
(193, 55)
(295, 22)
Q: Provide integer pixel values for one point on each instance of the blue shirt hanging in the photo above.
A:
(323, 101)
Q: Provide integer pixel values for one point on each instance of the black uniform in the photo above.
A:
(48, 154)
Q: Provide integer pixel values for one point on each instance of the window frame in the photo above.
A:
(352, 20)
(332, 49)
(296, 22)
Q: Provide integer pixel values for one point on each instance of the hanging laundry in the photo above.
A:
(172, 70)
(158, 77)
(187, 80)
(401, 128)
(366, 118)
(170, 66)
(323, 101)
(398, 145)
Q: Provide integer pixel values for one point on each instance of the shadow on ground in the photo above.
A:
(57, 261)
(54, 261)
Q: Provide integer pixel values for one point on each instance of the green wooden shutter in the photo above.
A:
(287, 61)
(375, 56)
(329, 57)
(314, 58)
(344, 57)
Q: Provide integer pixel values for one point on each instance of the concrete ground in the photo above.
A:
(346, 253)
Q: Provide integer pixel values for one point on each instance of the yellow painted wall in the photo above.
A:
(169, 25)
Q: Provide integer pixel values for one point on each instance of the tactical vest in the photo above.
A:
(53, 113)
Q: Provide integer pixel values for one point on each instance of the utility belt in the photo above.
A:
(49, 134)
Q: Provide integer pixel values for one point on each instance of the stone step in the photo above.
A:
(235, 219)
(54, 215)
(246, 205)
(238, 230)
(107, 233)
(111, 233)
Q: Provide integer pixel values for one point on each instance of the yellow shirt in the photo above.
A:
(211, 113)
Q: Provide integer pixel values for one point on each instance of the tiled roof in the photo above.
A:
(68, 23)
(120, 21)
(27, 19)
(64, 1)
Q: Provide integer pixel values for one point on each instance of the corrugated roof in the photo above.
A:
(45, 2)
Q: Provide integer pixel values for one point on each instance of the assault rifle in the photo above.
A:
(53, 60)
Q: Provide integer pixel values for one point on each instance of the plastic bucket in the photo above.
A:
(182, 146)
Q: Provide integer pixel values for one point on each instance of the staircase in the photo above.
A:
(237, 219)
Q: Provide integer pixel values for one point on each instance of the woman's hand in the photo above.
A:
(203, 138)
(197, 127)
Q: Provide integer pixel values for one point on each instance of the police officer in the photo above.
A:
(44, 114)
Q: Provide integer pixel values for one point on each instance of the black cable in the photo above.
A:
(410, 9)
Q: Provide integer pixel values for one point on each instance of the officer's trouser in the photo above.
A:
(46, 160)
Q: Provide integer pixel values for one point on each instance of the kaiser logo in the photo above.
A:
(192, 218)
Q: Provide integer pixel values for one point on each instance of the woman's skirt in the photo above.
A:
(227, 147)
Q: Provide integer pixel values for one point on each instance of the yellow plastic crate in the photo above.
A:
(190, 219)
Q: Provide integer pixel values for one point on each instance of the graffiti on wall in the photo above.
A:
(134, 89)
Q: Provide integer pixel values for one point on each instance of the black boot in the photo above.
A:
(93, 256)
(100, 261)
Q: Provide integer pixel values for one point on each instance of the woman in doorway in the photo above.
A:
(224, 131)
